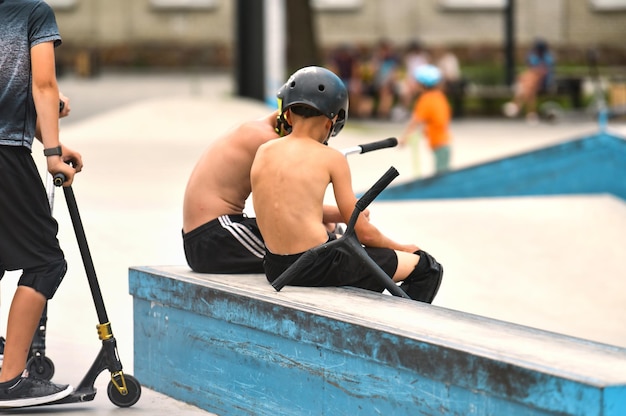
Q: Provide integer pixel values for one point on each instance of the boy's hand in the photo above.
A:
(70, 163)
(72, 157)
(57, 165)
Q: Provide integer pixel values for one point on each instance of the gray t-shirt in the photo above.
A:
(23, 24)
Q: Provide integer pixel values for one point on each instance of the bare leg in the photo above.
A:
(406, 265)
(24, 316)
(529, 85)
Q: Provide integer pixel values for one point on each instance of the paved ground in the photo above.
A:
(555, 263)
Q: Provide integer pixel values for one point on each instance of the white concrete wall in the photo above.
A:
(111, 22)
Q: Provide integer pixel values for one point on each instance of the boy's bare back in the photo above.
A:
(290, 176)
(220, 182)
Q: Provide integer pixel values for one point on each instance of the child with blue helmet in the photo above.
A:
(433, 112)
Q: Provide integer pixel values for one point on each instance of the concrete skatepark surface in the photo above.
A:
(553, 263)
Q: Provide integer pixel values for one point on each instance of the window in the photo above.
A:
(608, 5)
(184, 4)
(473, 4)
(335, 4)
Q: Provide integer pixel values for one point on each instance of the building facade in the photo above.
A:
(169, 33)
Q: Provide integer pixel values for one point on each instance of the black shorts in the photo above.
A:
(28, 232)
(336, 267)
(229, 244)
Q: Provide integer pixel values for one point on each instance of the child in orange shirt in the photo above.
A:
(433, 111)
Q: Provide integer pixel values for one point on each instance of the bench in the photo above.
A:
(232, 345)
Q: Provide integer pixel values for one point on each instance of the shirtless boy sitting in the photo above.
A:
(217, 236)
(289, 178)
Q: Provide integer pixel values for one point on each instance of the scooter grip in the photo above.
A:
(59, 179)
(299, 266)
(381, 144)
(376, 189)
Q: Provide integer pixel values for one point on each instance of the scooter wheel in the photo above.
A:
(130, 398)
(40, 367)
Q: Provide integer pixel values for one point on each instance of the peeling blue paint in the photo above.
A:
(236, 353)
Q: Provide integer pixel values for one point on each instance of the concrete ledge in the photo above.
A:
(232, 345)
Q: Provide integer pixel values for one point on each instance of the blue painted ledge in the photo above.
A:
(232, 345)
(590, 165)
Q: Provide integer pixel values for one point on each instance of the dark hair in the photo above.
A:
(306, 111)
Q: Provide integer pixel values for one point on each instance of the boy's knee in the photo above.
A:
(422, 284)
(44, 279)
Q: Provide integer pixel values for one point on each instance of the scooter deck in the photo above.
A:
(77, 396)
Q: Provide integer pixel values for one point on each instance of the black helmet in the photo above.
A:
(318, 88)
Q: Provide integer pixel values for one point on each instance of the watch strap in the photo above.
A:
(53, 151)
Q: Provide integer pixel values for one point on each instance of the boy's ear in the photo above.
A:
(283, 126)
(288, 117)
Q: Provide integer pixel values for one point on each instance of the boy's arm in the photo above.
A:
(367, 233)
(331, 214)
(46, 98)
(45, 93)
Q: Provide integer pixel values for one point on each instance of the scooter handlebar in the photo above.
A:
(381, 144)
(58, 179)
(377, 188)
(368, 147)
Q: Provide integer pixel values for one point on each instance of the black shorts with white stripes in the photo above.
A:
(229, 244)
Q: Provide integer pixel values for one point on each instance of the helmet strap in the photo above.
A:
(282, 126)
(330, 132)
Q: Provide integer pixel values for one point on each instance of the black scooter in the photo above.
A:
(123, 390)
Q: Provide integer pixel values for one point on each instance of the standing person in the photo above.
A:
(29, 96)
(217, 236)
(289, 179)
(431, 110)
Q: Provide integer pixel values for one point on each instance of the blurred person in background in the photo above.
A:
(386, 82)
(535, 79)
(432, 111)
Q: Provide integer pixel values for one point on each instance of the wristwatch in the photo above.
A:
(53, 151)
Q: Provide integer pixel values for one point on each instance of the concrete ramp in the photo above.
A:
(590, 165)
